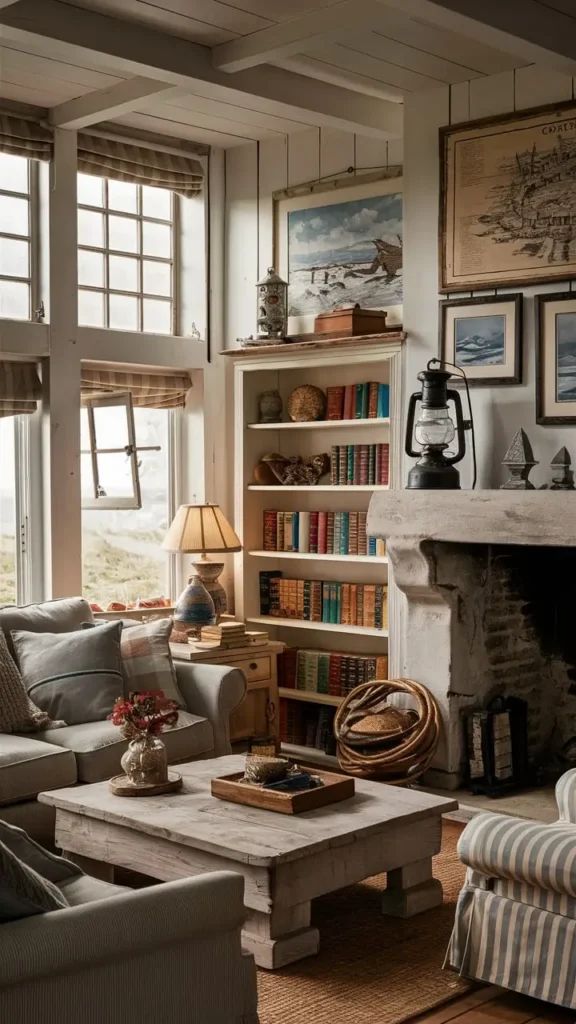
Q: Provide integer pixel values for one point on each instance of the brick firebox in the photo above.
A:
(485, 605)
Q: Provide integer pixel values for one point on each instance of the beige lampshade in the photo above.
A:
(200, 529)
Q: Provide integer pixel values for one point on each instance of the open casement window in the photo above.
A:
(110, 477)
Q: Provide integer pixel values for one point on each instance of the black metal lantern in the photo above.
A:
(434, 430)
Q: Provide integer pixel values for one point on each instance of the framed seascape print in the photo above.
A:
(339, 247)
(483, 336)
(556, 358)
(508, 203)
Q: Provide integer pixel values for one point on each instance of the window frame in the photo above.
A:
(173, 261)
(104, 501)
(32, 238)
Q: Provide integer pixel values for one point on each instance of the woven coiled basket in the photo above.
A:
(379, 740)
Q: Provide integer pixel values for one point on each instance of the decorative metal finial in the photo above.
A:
(520, 460)
(562, 475)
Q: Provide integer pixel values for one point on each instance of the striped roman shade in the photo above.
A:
(23, 137)
(123, 161)
(149, 390)
(20, 388)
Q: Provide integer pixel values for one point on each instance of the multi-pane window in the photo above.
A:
(123, 558)
(17, 218)
(126, 239)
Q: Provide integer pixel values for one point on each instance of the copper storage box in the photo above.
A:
(350, 321)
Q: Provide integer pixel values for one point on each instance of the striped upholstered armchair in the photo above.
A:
(516, 916)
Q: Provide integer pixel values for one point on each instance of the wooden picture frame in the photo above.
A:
(503, 221)
(483, 336)
(555, 362)
(323, 283)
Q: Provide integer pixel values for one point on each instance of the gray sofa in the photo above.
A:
(53, 758)
(175, 956)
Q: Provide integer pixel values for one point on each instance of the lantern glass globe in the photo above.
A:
(434, 427)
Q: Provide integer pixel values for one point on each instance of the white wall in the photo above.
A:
(498, 411)
(253, 173)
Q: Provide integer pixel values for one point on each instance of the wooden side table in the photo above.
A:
(257, 717)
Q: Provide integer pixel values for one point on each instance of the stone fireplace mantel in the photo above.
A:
(476, 517)
(468, 567)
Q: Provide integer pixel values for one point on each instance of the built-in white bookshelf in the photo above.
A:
(324, 365)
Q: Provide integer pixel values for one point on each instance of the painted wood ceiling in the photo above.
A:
(395, 56)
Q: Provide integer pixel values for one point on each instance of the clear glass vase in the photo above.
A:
(146, 761)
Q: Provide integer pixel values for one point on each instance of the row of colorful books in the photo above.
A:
(358, 401)
(307, 726)
(331, 672)
(319, 533)
(359, 464)
(345, 604)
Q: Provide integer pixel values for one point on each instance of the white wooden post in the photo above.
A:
(62, 495)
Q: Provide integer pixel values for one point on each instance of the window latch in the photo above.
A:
(39, 313)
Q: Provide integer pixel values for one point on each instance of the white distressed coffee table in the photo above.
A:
(286, 860)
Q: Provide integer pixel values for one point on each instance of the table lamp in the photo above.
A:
(201, 529)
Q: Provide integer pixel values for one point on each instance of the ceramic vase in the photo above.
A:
(270, 407)
(146, 761)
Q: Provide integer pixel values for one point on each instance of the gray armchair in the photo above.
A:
(170, 952)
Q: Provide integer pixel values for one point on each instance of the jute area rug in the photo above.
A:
(371, 969)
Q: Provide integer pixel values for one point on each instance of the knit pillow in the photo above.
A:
(18, 713)
(23, 891)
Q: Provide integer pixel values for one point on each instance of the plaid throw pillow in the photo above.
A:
(146, 658)
(18, 713)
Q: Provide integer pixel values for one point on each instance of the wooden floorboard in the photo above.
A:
(489, 1005)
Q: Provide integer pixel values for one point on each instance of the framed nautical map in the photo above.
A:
(508, 202)
(339, 247)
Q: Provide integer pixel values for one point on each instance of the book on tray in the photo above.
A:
(319, 533)
(327, 601)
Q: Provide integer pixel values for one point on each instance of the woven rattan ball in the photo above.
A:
(306, 403)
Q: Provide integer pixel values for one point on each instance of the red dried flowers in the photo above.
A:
(144, 712)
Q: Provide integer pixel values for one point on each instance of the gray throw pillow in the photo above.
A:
(75, 676)
(59, 616)
(23, 891)
(17, 712)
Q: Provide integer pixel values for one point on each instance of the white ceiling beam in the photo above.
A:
(127, 49)
(290, 37)
(325, 71)
(107, 103)
(532, 31)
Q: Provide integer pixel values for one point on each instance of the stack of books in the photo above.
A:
(359, 464)
(225, 634)
(358, 401)
(346, 604)
(319, 533)
(331, 672)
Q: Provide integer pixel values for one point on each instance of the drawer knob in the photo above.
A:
(253, 665)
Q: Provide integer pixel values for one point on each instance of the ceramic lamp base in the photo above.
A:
(209, 572)
(195, 607)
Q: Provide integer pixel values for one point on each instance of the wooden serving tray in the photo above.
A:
(335, 788)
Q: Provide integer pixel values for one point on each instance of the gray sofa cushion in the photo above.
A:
(85, 889)
(23, 891)
(98, 746)
(61, 616)
(73, 676)
(55, 869)
(18, 713)
(29, 766)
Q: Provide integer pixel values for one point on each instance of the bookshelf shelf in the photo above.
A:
(319, 627)
(320, 488)
(309, 556)
(323, 424)
(308, 696)
(282, 368)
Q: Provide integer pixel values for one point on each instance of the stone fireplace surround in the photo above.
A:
(487, 606)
